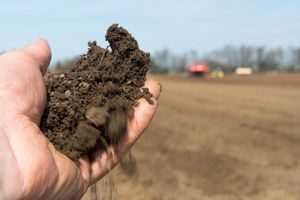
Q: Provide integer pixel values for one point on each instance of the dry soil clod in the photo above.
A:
(94, 99)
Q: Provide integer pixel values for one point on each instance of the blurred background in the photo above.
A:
(228, 124)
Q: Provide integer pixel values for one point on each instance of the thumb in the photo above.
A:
(40, 52)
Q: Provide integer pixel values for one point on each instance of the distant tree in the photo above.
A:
(231, 56)
(280, 57)
(157, 69)
(165, 61)
(260, 59)
(182, 63)
(163, 58)
(296, 58)
(192, 56)
(213, 64)
(245, 56)
(63, 65)
(272, 60)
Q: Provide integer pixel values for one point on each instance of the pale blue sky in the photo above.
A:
(202, 25)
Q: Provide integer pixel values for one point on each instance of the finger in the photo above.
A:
(85, 168)
(106, 160)
(154, 87)
(143, 115)
(40, 52)
(102, 164)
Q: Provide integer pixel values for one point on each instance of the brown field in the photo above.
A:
(235, 138)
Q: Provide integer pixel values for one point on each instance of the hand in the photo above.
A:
(30, 166)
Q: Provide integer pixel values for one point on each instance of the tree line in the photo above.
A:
(260, 59)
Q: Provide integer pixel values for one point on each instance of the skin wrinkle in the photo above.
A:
(18, 121)
(54, 169)
(3, 138)
(17, 86)
(21, 123)
(7, 166)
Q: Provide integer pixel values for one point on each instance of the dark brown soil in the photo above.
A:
(88, 106)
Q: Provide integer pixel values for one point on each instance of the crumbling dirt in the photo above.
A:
(88, 106)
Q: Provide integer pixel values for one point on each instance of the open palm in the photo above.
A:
(30, 166)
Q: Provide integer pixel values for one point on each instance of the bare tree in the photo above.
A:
(296, 58)
(245, 56)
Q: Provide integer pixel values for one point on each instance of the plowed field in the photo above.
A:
(235, 138)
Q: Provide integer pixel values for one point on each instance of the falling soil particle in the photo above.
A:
(88, 106)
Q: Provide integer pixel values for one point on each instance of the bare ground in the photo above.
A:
(236, 138)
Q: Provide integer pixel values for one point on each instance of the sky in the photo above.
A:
(179, 25)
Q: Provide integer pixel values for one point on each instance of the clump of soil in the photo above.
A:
(88, 106)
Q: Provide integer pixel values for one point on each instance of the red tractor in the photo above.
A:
(197, 69)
